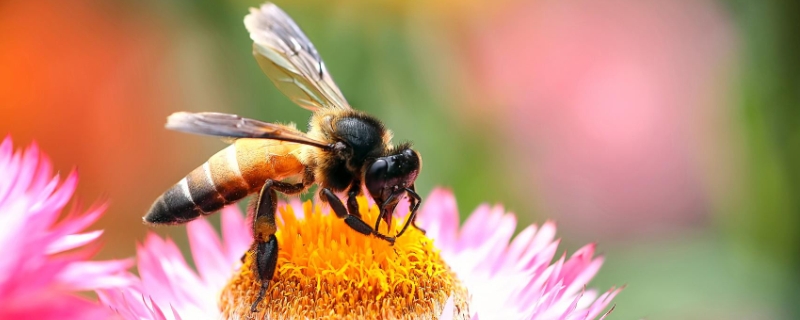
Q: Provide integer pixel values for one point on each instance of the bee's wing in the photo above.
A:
(290, 60)
(233, 126)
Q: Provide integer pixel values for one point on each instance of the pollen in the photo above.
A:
(328, 271)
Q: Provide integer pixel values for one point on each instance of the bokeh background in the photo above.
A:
(667, 131)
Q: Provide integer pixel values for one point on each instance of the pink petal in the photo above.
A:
(161, 266)
(76, 221)
(62, 195)
(128, 302)
(439, 217)
(43, 173)
(27, 169)
(87, 275)
(6, 147)
(571, 308)
(64, 307)
(235, 234)
(175, 314)
(542, 259)
(520, 244)
(585, 275)
(72, 241)
(449, 308)
(498, 243)
(14, 229)
(477, 223)
(603, 301)
(580, 258)
(544, 237)
(207, 251)
(159, 315)
(608, 312)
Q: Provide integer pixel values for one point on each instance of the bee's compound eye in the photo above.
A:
(377, 171)
(375, 177)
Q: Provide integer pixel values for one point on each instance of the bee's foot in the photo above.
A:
(260, 297)
(386, 238)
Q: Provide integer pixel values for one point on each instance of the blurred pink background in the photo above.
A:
(603, 104)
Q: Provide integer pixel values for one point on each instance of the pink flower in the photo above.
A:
(503, 278)
(44, 261)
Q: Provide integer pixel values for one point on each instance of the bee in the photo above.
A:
(344, 151)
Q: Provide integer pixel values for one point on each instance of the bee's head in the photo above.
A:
(388, 177)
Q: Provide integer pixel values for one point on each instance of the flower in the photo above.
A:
(44, 261)
(326, 269)
(323, 262)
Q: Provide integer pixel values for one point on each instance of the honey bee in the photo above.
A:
(343, 150)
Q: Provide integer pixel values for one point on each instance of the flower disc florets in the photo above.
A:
(326, 269)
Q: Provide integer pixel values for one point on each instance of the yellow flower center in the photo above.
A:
(327, 270)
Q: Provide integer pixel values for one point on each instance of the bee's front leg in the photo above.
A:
(351, 220)
(352, 203)
(413, 206)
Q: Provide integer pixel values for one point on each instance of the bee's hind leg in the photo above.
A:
(264, 228)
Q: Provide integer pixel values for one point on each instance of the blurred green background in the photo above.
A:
(666, 131)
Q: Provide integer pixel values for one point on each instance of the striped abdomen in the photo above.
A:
(227, 177)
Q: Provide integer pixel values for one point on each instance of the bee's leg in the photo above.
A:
(339, 209)
(352, 209)
(352, 203)
(387, 210)
(352, 221)
(264, 228)
(266, 244)
(414, 223)
(412, 192)
(412, 207)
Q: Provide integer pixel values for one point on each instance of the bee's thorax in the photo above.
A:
(361, 137)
